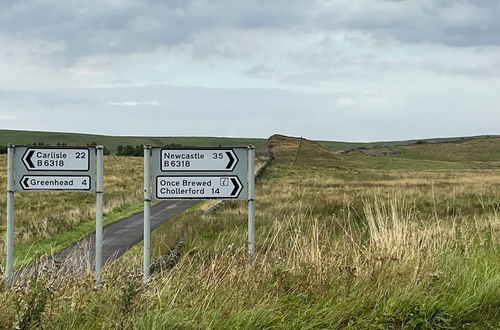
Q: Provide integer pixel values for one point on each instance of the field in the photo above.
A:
(46, 221)
(343, 241)
(112, 142)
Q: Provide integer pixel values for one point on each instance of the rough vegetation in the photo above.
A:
(42, 217)
(343, 241)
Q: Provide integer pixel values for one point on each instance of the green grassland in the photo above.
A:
(343, 241)
(338, 145)
(112, 142)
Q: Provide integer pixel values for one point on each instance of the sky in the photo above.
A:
(346, 70)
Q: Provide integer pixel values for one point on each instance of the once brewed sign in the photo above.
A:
(198, 187)
(55, 168)
(55, 182)
(50, 159)
(186, 160)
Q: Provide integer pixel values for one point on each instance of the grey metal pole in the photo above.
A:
(147, 211)
(9, 269)
(98, 214)
(251, 204)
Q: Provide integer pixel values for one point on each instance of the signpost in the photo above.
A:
(54, 169)
(198, 187)
(187, 160)
(55, 182)
(198, 173)
(49, 159)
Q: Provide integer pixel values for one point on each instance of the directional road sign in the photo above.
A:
(198, 187)
(206, 160)
(55, 182)
(55, 168)
(50, 159)
(200, 173)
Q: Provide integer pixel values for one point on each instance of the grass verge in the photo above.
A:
(26, 254)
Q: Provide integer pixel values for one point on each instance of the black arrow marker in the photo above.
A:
(231, 159)
(28, 159)
(25, 183)
(236, 185)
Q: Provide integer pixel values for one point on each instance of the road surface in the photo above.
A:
(118, 237)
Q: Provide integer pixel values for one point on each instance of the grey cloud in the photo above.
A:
(260, 71)
(102, 27)
(96, 27)
(454, 23)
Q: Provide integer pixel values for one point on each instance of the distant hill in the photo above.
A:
(112, 142)
(336, 145)
(454, 153)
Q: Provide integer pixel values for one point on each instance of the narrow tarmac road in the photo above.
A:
(118, 237)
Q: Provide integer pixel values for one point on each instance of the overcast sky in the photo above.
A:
(334, 70)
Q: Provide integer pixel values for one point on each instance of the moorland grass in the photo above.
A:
(338, 246)
(49, 221)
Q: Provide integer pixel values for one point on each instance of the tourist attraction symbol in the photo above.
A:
(57, 159)
(207, 160)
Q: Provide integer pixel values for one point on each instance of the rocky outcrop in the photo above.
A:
(364, 150)
(169, 260)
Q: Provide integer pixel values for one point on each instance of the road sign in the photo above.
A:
(202, 173)
(55, 182)
(53, 159)
(207, 160)
(198, 187)
(215, 173)
(55, 168)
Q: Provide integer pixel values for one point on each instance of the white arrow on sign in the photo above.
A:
(183, 160)
(55, 182)
(198, 187)
(51, 159)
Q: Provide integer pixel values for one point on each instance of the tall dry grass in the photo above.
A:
(383, 263)
(337, 247)
(40, 216)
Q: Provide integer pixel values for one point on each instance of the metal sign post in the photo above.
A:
(10, 213)
(54, 169)
(198, 173)
(99, 207)
(251, 204)
(147, 211)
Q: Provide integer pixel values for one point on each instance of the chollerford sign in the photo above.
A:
(198, 173)
(54, 169)
(198, 187)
